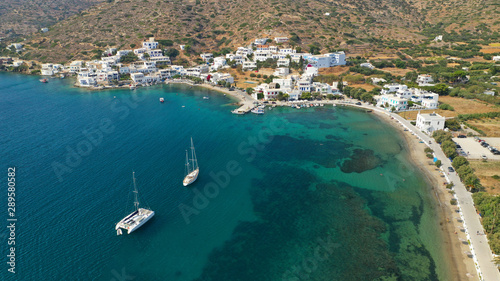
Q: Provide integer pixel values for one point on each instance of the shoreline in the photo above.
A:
(459, 265)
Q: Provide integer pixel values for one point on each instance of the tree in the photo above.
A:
(438, 163)
(459, 161)
(452, 124)
(305, 96)
(340, 85)
(128, 58)
(146, 55)
(260, 96)
(316, 95)
(330, 96)
(249, 91)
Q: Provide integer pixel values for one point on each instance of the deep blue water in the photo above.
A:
(317, 194)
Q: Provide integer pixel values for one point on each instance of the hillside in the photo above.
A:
(22, 17)
(208, 25)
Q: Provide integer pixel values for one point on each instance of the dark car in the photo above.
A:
(462, 136)
(450, 169)
(458, 146)
(358, 103)
(484, 144)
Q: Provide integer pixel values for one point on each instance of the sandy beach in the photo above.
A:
(461, 266)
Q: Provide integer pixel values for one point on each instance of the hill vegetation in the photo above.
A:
(314, 25)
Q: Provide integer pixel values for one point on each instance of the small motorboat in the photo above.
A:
(206, 98)
(44, 80)
(162, 100)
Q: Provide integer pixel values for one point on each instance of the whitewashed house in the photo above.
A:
(138, 77)
(430, 103)
(122, 53)
(326, 60)
(430, 122)
(280, 40)
(392, 88)
(249, 65)
(87, 82)
(390, 101)
(287, 51)
(150, 44)
(260, 41)
(283, 62)
(496, 58)
(367, 65)
(282, 71)
(424, 79)
(206, 57)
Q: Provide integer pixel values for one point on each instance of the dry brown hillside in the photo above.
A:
(208, 25)
(22, 17)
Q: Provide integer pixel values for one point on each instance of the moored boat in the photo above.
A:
(258, 110)
(192, 169)
(162, 100)
(44, 80)
(135, 219)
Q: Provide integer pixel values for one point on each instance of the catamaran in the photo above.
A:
(137, 218)
(192, 169)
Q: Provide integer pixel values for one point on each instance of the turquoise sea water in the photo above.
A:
(310, 194)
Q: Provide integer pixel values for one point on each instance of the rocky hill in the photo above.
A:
(23, 17)
(209, 25)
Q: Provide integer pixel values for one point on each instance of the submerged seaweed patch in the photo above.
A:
(361, 160)
(326, 153)
(292, 219)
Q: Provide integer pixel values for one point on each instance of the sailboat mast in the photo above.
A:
(136, 202)
(187, 164)
(193, 155)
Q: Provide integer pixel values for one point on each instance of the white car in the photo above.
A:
(484, 157)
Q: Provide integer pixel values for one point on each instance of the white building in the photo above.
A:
(496, 58)
(207, 56)
(280, 39)
(430, 103)
(260, 41)
(249, 65)
(86, 81)
(122, 53)
(138, 77)
(44, 29)
(282, 71)
(283, 62)
(424, 79)
(430, 122)
(390, 101)
(150, 44)
(326, 60)
(392, 88)
(367, 65)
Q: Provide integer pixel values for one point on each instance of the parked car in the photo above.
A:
(358, 103)
(484, 144)
(450, 169)
(462, 136)
(484, 157)
(458, 146)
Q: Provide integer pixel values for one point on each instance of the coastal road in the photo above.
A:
(478, 242)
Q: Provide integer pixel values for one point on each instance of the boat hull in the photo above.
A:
(128, 223)
(191, 177)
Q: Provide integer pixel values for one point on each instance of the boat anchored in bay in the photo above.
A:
(192, 169)
(137, 218)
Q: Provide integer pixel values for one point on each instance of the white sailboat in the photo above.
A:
(192, 169)
(137, 218)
